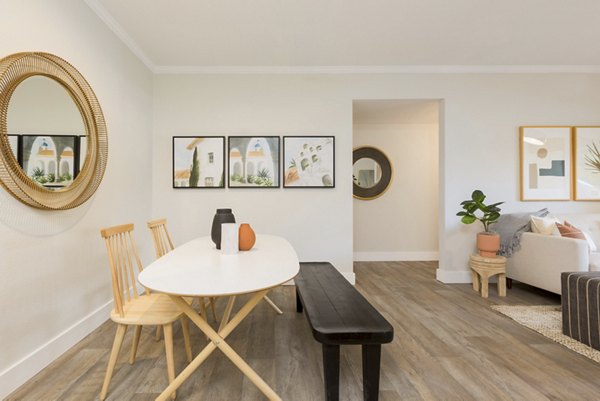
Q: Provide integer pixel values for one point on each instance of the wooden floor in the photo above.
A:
(449, 345)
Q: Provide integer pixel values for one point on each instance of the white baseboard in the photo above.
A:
(21, 371)
(395, 256)
(453, 276)
(350, 276)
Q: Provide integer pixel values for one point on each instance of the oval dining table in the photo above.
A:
(198, 269)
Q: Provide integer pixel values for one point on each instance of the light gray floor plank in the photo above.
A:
(449, 345)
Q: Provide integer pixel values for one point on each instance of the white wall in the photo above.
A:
(402, 224)
(41, 105)
(318, 222)
(54, 278)
(480, 116)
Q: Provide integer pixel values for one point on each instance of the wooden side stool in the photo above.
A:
(484, 268)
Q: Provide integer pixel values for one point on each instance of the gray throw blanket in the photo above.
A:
(511, 226)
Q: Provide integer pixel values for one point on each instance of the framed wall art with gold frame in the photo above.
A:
(545, 163)
(586, 163)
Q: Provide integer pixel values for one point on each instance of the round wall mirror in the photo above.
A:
(53, 140)
(371, 172)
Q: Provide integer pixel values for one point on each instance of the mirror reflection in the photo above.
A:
(366, 172)
(46, 132)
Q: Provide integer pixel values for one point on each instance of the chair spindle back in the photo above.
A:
(123, 258)
(160, 237)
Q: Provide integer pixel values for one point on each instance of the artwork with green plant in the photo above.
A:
(253, 161)
(592, 158)
(475, 209)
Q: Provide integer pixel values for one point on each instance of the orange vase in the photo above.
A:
(247, 237)
(488, 244)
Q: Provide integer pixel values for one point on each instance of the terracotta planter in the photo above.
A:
(247, 237)
(488, 244)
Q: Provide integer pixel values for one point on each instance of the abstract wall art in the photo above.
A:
(545, 163)
(586, 144)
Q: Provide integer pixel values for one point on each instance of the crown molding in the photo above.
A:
(120, 32)
(392, 69)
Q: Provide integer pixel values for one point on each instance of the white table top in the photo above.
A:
(197, 268)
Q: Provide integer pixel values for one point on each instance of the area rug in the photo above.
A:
(546, 320)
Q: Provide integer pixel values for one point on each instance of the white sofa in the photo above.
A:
(542, 258)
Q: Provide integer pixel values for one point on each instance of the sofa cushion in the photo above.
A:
(588, 223)
(545, 225)
(570, 231)
(594, 261)
(575, 231)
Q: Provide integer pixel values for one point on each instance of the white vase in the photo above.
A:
(229, 238)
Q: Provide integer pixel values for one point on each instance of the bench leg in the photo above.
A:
(371, 361)
(331, 371)
(298, 302)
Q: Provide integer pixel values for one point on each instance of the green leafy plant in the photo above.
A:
(51, 177)
(37, 173)
(592, 159)
(488, 214)
(194, 170)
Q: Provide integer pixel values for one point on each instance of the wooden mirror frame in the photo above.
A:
(386, 173)
(16, 68)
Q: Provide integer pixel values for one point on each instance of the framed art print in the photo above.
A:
(586, 166)
(309, 162)
(253, 162)
(545, 163)
(52, 161)
(198, 162)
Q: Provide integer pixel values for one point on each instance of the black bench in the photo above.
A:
(338, 314)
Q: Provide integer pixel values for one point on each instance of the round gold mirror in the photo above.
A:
(371, 172)
(53, 139)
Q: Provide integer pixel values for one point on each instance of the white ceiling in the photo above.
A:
(358, 35)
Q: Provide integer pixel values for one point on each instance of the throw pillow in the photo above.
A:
(588, 238)
(570, 231)
(545, 225)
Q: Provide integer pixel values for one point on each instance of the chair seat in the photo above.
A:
(148, 309)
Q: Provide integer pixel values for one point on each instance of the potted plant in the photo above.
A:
(488, 242)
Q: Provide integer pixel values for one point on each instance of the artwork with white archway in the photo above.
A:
(52, 161)
(253, 162)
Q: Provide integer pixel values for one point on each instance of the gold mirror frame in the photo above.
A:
(16, 68)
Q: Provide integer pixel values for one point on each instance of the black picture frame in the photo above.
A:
(210, 151)
(309, 161)
(50, 160)
(16, 143)
(263, 171)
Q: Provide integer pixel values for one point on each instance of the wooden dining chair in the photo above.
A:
(133, 309)
(162, 245)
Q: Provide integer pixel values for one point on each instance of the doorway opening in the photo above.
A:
(402, 224)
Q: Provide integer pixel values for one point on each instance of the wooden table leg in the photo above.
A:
(502, 284)
(218, 341)
(484, 285)
(475, 279)
(227, 312)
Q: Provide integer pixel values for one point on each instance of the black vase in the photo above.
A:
(222, 216)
